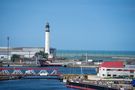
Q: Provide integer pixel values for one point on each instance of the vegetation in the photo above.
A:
(15, 57)
(41, 54)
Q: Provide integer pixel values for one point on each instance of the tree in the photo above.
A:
(41, 54)
(15, 57)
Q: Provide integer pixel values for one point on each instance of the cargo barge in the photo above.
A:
(83, 86)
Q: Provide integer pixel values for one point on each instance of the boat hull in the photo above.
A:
(83, 86)
(44, 63)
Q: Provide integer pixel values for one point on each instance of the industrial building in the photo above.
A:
(26, 52)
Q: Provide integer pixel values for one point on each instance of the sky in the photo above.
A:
(74, 24)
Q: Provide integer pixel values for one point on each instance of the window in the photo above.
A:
(119, 69)
(108, 69)
(109, 75)
(131, 76)
(114, 75)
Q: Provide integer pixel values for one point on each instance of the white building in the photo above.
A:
(116, 69)
(27, 52)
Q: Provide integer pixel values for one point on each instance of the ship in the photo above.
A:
(83, 86)
(45, 63)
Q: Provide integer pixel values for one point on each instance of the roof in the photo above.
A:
(113, 64)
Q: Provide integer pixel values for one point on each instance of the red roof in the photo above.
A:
(112, 64)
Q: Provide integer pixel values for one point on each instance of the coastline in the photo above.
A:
(71, 53)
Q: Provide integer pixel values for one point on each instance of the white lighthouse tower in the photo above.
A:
(47, 39)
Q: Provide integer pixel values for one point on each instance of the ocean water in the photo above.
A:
(91, 52)
(107, 55)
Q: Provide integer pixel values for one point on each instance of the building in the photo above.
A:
(116, 69)
(26, 52)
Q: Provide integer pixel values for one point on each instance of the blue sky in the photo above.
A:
(75, 24)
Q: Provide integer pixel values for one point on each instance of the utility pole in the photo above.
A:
(86, 57)
(8, 47)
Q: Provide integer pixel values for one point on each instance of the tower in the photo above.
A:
(47, 38)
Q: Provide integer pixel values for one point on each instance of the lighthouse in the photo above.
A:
(47, 39)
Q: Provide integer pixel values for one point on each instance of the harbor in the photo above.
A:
(72, 77)
(67, 45)
(73, 70)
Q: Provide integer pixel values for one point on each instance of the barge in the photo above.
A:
(84, 86)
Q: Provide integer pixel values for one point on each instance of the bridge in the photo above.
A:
(5, 71)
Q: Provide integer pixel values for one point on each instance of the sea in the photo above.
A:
(96, 54)
(54, 84)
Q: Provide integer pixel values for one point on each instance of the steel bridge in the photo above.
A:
(5, 71)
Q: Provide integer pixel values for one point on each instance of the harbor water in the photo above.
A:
(44, 84)
(33, 84)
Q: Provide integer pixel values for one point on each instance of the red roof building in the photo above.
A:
(112, 64)
(115, 69)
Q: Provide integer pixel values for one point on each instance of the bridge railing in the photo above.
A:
(28, 71)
